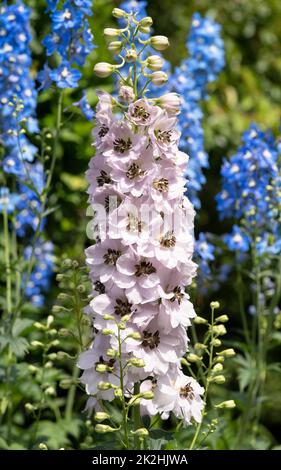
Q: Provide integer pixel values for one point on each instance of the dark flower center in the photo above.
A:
(141, 113)
(122, 307)
(168, 240)
(150, 340)
(187, 392)
(144, 267)
(107, 202)
(111, 256)
(134, 170)
(99, 287)
(103, 131)
(122, 145)
(178, 295)
(164, 136)
(103, 178)
(161, 185)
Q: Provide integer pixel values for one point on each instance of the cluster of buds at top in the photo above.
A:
(130, 45)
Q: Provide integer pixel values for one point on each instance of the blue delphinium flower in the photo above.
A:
(190, 80)
(18, 97)
(8, 201)
(237, 240)
(251, 190)
(70, 40)
(85, 107)
(39, 281)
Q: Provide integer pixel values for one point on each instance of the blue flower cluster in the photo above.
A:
(18, 106)
(70, 40)
(39, 281)
(190, 79)
(251, 194)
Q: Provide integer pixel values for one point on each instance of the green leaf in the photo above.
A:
(19, 346)
(20, 324)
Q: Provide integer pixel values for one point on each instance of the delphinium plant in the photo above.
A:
(141, 263)
(251, 196)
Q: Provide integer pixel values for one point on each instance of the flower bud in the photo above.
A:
(215, 305)
(218, 367)
(121, 326)
(29, 407)
(154, 62)
(42, 446)
(101, 416)
(147, 395)
(171, 102)
(111, 353)
(32, 368)
(141, 432)
(193, 357)
(50, 391)
(222, 318)
(200, 346)
(101, 368)
(218, 379)
(115, 47)
(118, 13)
(39, 326)
(66, 263)
(229, 404)
(106, 316)
(37, 344)
(103, 69)
(137, 362)
(107, 332)
(103, 428)
(160, 43)
(125, 318)
(134, 401)
(104, 386)
(118, 393)
(111, 32)
(131, 55)
(200, 320)
(65, 384)
(144, 29)
(135, 335)
(147, 21)
(52, 356)
(159, 78)
(216, 342)
(227, 352)
(64, 332)
(219, 330)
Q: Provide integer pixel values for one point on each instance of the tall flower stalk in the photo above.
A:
(141, 261)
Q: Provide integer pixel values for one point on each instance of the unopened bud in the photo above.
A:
(137, 362)
(115, 47)
(29, 407)
(146, 21)
(50, 391)
(32, 368)
(106, 316)
(111, 32)
(200, 346)
(218, 367)
(103, 428)
(159, 78)
(222, 318)
(147, 395)
(104, 386)
(101, 416)
(42, 446)
(37, 344)
(200, 320)
(118, 393)
(63, 332)
(219, 330)
(125, 318)
(155, 62)
(229, 404)
(227, 352)
(118, 13)
(126, 93)
(134, 401)
(135, 335)
(193, 357)
(67, 263)
(141, 432)
(111, 353)
(103, 69)
(107, 332)
(216, 342)
(65, 384)
(160, 43)
(218, 379)
(101, 368)
(39, 326)
(171, 102)
(63, 296)
(219, 359)
(214, 305)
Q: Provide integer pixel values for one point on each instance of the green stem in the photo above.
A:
(124, 410)
(241, 307)
(71, 394)
(7, 263)
(136, 415)
(199, 425)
